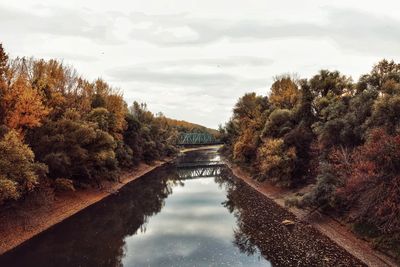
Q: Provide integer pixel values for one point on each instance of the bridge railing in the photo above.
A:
(197, 139)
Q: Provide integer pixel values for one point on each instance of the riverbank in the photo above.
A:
(337, 232)
(18, 227)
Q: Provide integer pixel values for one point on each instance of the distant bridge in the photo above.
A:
(186, 139)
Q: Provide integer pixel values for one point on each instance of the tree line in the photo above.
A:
(340, 135)
(61, 131)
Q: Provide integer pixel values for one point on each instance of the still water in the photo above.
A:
(177, 215)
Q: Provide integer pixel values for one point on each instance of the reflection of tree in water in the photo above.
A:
(99, 232)
(259, 229)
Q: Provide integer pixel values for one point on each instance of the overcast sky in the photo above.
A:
(192, 59)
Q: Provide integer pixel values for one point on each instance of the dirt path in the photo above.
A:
(15, 229)
(340, 234)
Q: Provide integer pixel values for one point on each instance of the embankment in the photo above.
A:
(337, 232)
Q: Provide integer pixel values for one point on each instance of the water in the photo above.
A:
(174, 216)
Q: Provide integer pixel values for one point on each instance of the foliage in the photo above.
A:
(62, 184)
(19, 173)
(276, 162)
(22, 105)
(342, 137)
(333, 82)
(284, 92)
(278, 123)
(83, 131)
(245, 147)
(75, 150)
(323, 194)
(373, 181)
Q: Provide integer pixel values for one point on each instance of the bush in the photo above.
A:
(276, 162)
(76, 150)
(373, 182)
(62, 184)
(323, 194)
(19, 173)
(278, 123)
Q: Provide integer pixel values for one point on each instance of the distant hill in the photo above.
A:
(184, 126)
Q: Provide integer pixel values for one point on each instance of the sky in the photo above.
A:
(192, 60)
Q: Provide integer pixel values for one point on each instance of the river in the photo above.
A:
(189, 213)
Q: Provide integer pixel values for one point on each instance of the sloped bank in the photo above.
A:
(338, 233)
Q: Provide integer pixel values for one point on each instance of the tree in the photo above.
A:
(103, 118)
(278, 123)
(276, 162)
(19, 173)
(372, 184)
(3, 80)
(3, 62)
(386, 113)
(76, 150)
(22, 105)
(383, 72)
(330, 82)
(284, 92)
(245, 147)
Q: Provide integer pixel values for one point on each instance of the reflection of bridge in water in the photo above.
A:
(195, 170)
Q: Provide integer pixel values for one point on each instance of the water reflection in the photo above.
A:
(167, 218)
(95, 237)
(203, 172)
(181, 215)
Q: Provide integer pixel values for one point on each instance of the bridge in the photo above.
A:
(186, 139)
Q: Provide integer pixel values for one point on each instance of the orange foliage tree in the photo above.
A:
(21, 104)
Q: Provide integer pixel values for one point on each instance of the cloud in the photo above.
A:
(225, 62)
(59, 22)
(348, 28)
(205, 74)
(71, 56)
(361, 31)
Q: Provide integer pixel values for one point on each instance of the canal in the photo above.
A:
(189, 213)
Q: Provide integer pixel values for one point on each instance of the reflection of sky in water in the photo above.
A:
(193, 229)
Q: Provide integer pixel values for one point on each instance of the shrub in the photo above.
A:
(276, 162)
(76, 150)
(19, 173)
(373, 185)
(62, 184)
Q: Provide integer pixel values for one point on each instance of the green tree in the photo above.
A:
(76, 150)
(19, 173)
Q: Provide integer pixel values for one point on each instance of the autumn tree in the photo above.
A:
(22, 105)
(19, 173)
(276, 162)
(3, 80)
(373, 181)
(284, 92)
